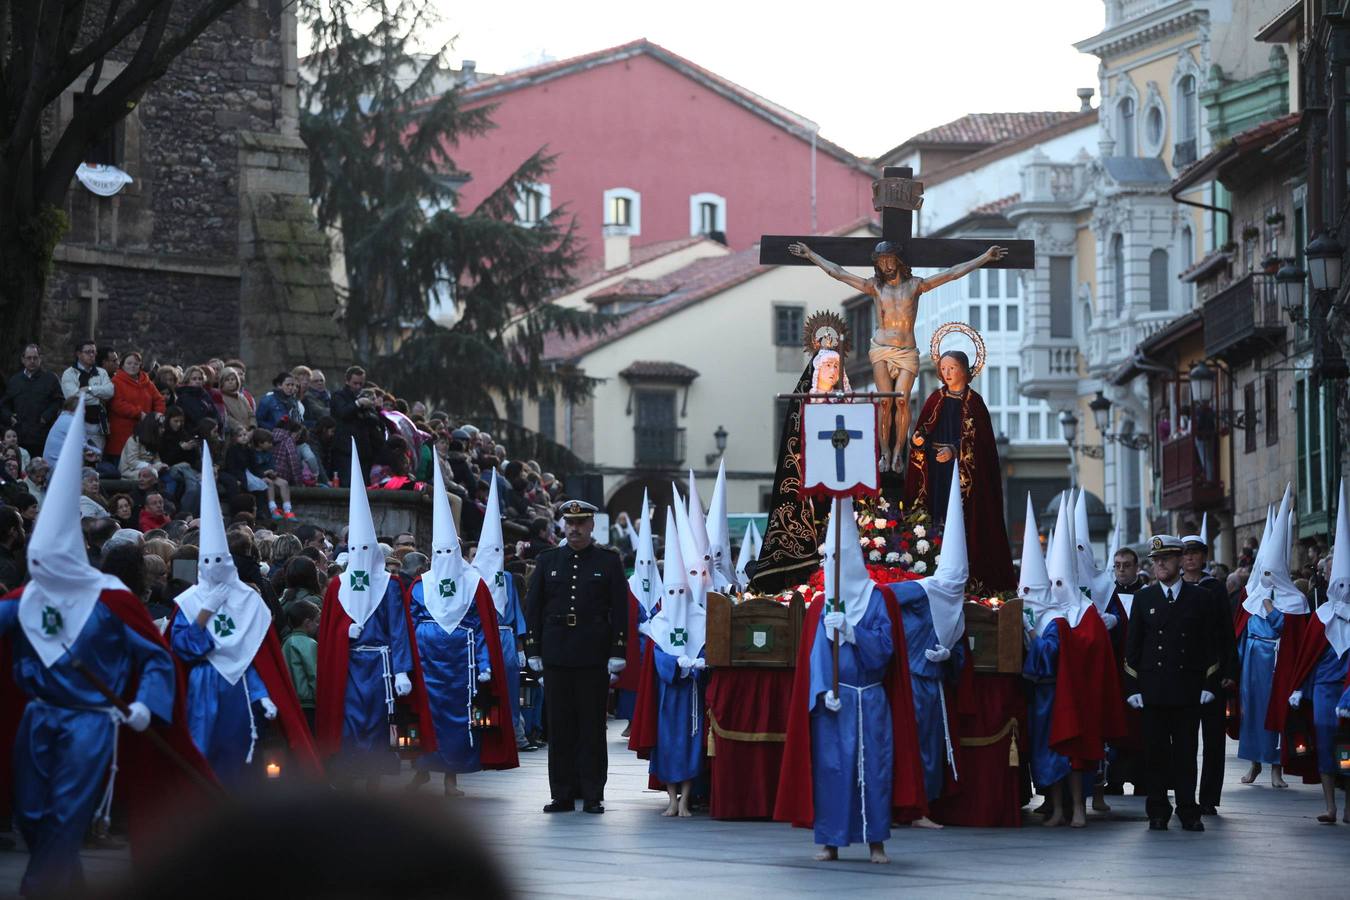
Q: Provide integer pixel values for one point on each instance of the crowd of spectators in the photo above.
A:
(144, 429)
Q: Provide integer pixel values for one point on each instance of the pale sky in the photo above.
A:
(871, 74)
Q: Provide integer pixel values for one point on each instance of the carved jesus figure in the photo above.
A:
(893, 353)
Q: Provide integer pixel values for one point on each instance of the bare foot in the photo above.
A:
(827, 854)
(1277, 779)
(923, 822)
(1254, 771)
(879, 853)
(898, 460)
(883, 463)
(1100, 805)
(1079, 819)
(671, 810)
(1054, 821)
(419, 779)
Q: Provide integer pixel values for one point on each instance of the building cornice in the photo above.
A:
(1144, 30)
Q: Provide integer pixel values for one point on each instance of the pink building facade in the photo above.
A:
(652, 146)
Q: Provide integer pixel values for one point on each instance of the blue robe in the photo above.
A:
(1323, 688)
(1256, 650)
(1048, 768)
(61, 750)
(510, 624)
(221, 716)
(451, 662)
(848, 808)
(926, 677)
(365, 715)
(627, 700)
(678, 754)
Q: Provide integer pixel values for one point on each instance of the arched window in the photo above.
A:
(1187, 114)
(1125, 125)
(1159, 297)
(623, 211)
(1118, 272)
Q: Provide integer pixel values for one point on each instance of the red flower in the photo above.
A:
(891, 523)
(904, 545)
(937, 542)
(908, 535)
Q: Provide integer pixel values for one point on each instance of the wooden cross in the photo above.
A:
(897, 195)
(94, 293)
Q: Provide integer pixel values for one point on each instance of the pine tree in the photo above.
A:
(381, 129)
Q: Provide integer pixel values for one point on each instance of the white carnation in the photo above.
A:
(879, 542)
(906, 558)
(920, 531)
(879, 522)
(892, 557)
(875, 556)
(923, 547)
(921, 567)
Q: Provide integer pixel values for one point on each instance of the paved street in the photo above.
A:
(633, 852)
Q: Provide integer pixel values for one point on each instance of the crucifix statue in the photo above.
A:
(894, 350)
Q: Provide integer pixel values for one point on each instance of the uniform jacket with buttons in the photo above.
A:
(577, 607)
(1223, 621)
(1172, 652)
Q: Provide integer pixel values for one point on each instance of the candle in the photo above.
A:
(1301, 749)
(273, 770)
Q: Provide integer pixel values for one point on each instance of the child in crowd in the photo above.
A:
(301, 650)
(261, 475)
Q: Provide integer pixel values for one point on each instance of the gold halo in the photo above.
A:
(935, 346)
(821, 319)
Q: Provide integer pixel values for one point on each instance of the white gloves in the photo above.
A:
(832, 702)
(353, 631)
(137, 716)
(938, 654)
(402, 684)
(1135, 700)
(520, 659)
(700, 664)
(616, 665)
(536, 663)
(1342, 712)
(1206, 697)
(485, 675)
(269, 708)
(684, 663)
(835, 621)
(1295, 699)
(1109, 620)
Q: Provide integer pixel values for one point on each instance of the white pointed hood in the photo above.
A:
(1271, 571)
(1090, 576)
(694, 562)
(1255, 606)
(490, 560)
(1204, 529)
(365, 580)
(64, 588)
(449, 586)
(240, 618)
(1335, 613)
(1033, 581)
(1066, 599)
(719, 535)
(645, 582)
(680, 625)
(697, 526)
(855, 582)
(749, 551)
(946, 587)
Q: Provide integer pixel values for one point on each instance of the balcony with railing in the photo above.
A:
(1190, 467)
(1050, 368)
(1244, 318)
(658, 447)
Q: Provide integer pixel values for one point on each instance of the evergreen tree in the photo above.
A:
(381, 127)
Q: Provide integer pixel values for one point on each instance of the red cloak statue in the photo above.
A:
(981, 484)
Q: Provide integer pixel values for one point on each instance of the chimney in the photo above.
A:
(1085, 99)
(468, 72)
(618, 249)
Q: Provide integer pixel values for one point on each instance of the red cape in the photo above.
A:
(1233, 715)
(270, 664)
(155, 790)
(981, 487)
(646, 709)
(498, 745)
(628, 678)
(1292, 666)
(795, 802)
(1089, 711)
(330, 689)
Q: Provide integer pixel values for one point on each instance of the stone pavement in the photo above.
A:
(1265, 842)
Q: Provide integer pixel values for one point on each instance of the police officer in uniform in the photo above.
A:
(1194, 555)
(577, 613)
(1171, 671)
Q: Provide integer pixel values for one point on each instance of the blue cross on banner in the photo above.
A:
(839, 442)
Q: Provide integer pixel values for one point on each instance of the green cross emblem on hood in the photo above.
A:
(447, 587)
(52, 620)
(646, 585)
(500, 579)
(222, 625)
(678, 637)
(360, 580)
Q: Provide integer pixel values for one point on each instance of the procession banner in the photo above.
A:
(839, 441)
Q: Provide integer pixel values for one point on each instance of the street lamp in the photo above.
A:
(1068, 423)
(1202, 384)
(720, 440)
(1289, 283)
(1324, 262)
(1101, 412)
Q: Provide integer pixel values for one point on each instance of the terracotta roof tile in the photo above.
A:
(996, 206)
(666, 371)
(594, 270)
(989, 128)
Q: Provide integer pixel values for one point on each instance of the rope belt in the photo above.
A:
(103, 812)
(383, 650)
(252, 724)
(473, 682)
(862, 758)
(946, 731)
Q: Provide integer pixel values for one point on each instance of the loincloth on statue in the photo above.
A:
(896, 359)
